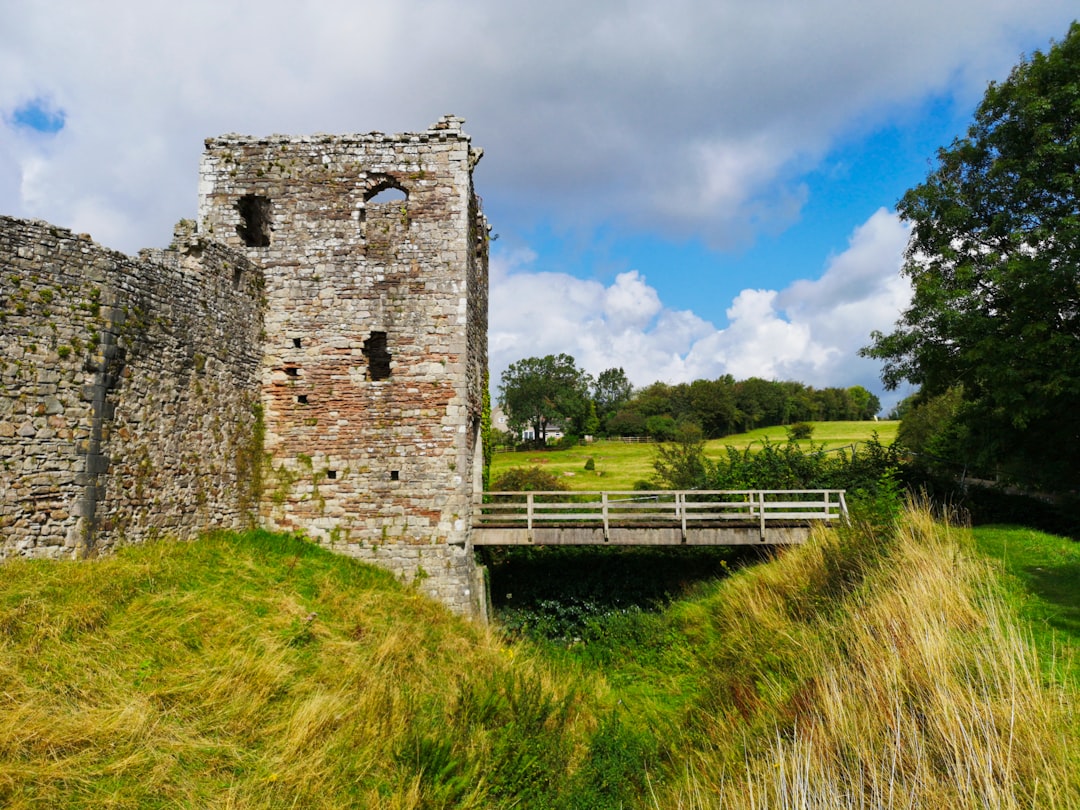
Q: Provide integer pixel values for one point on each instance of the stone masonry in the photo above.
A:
(129, 391)
(329, 358)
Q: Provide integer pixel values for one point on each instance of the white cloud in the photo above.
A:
(696, 118)
(810, 331)
(693, 118)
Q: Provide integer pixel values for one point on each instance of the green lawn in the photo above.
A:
(831, 434)
(1045, 571)
(619, 465)
(260, 671)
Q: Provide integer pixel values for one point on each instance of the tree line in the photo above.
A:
(539, 393)
(992, 335)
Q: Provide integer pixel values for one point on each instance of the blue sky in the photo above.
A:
(37, 115)
(861, 173)
(684, 190)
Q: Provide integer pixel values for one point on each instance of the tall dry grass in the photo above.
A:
(260, 673)
(868, 672)
(860, 670)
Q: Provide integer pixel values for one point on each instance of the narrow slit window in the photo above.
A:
(296, 343)
(301, 399)
(378, 357)
(254, 227)
(394, 476)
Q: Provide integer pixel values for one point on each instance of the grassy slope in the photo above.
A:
(1043, 572)
(853, 672)
(619, 465)
(858, 670)
(264, 672)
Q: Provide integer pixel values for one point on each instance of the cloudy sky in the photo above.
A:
(684, 189)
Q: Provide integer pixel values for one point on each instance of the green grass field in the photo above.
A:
(259, 671)
(619, 465)
(1044, 574)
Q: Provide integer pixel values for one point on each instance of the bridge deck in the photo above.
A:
(696, 517)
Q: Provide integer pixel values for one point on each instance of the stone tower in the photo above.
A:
(374, 251)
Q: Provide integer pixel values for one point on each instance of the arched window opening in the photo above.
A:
(384, 216)
(387, 194)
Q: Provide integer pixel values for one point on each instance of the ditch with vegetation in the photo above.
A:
(902, 660)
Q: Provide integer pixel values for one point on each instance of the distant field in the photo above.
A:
(619, 465)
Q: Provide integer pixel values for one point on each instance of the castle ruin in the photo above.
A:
(309, 355)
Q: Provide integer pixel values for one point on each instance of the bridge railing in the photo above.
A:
(657, 508)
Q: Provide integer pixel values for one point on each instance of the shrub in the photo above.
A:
(661, 428)
(567, 441)
(590, 464)
(799, 431)
(527, 479)
(682, 463)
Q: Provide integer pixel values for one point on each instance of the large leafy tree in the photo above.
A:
(611, 390)
(994, 261)
(861, 403)
(712, 405)
(539, 391)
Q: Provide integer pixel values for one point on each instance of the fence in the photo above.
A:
(653, 509)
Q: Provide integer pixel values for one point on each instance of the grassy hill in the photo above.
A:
(619, 465)
(260, 671)
(863, 669)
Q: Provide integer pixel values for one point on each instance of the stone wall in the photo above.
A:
(128, 391)
(375, 257)
(311, 356)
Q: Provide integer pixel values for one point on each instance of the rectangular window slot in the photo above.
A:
(377, 356)
(393, 475)
(254, 227)
(331, 474)
(296, 343)
(292, 371)
(301, 399)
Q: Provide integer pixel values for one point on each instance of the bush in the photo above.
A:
(527, 479)
(590, 464)
(799, 431)
(567, 441)
(661, 428)
(682, 464)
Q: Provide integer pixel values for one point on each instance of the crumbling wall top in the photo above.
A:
(447, 128)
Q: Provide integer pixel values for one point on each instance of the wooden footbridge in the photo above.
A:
(652, 518)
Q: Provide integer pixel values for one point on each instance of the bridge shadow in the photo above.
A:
(560, 592)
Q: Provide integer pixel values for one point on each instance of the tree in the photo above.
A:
(994, 261)
(611, 391)
(539, 391)
(591, 426)
(761, 403)
(712, 403)
(682, 464)
(933, 433)
(864, 405)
